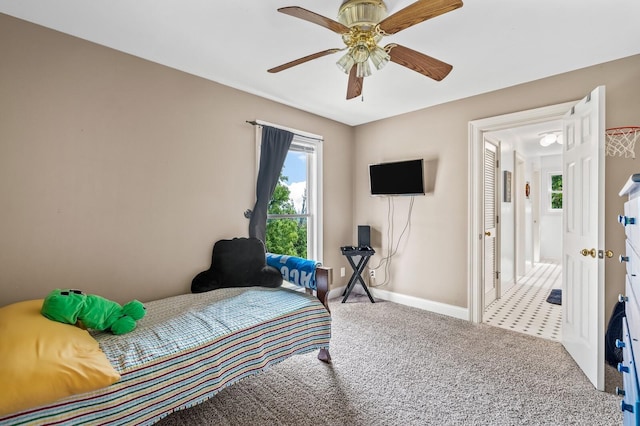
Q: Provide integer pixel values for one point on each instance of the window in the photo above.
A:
(555, 191)
(294, 223)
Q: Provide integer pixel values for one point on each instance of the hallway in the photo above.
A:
(524, 307)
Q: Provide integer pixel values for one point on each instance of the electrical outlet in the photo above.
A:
(342, 272)
(372, 273)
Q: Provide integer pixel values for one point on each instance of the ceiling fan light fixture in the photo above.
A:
(345, 63)
(379, 57)
(360, 53)
(548, 139)
(363, 69)
(364, 13)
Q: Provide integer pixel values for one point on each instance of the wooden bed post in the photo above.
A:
(324, 276)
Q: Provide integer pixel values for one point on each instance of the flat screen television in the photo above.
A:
(397, 178)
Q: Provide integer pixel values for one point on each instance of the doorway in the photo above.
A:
(528, 272)
(478, 130)
(583, 131)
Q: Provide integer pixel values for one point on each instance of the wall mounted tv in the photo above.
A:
(397, 178)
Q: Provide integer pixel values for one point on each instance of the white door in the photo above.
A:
(583, 235)
(490, 228)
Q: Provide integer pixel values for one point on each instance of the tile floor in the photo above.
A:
(524, 307)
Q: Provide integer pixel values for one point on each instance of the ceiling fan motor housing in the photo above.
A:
(362, 13)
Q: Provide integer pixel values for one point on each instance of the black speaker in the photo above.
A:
(364, 235)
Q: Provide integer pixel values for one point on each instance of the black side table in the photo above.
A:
(365, 254)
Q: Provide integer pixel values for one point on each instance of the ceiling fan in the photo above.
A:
(362, 25)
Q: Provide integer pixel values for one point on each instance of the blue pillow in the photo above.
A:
(296, 270)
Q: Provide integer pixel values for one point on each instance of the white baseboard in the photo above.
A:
(415, 302)
(336, 292)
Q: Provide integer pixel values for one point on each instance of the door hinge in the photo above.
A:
(497, 275)
(497, 164)
(497, 219)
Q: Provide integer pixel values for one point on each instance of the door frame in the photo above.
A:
(477, 129)
(519, 216)
(535, 217)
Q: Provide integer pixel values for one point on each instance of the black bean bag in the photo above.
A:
(612, 353)
(239, 262)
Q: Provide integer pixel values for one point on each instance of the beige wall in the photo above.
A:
(431, 262)
(118, 174)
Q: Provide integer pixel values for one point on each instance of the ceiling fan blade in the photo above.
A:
(417, 12)
(303, 60)
(354, 88)
(419, 62)
(310, 16)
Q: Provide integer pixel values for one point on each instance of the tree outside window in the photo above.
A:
(555, 191)
(286, 234)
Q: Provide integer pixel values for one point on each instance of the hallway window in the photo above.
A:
(555, 191)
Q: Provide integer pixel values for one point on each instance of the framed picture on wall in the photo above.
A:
(506, 184)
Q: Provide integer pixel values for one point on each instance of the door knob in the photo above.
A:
(487, 233)
(586, 252)
(609, 254)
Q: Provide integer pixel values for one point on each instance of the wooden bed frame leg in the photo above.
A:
(324, 276)
(323, 280)
(324, 356)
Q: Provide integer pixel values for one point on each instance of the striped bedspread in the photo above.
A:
(189, 347)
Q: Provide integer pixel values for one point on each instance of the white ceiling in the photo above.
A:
(526, 139)
(491, 44)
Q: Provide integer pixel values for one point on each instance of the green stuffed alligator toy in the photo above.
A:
(91, 311)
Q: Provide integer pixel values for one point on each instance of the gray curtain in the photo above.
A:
(273, 151)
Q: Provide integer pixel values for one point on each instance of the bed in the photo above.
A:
(185, 350)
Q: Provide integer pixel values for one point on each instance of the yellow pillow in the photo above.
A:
(42, 361)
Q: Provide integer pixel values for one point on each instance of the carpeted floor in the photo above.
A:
(396, 365)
